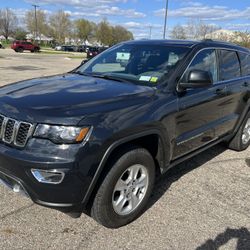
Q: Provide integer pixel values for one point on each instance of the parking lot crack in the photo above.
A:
(15, 211)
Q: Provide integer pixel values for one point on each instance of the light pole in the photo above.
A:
(150, 31)
(35, 6)
(166, 18)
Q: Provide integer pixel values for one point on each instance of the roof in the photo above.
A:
(190, 43)
(185, 43)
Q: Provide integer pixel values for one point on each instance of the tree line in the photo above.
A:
(198, 30)
(59, 26)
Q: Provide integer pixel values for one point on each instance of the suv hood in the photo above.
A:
(66, 99)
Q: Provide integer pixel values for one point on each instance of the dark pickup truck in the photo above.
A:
(92, 140)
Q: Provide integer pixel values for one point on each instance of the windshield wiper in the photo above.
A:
(104, 76)
(108, 77)
(81, 73)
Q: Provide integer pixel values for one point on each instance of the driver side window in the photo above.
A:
(205, 60)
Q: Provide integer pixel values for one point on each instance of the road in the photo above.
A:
(203, 203)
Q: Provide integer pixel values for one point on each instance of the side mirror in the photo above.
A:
(197, 79)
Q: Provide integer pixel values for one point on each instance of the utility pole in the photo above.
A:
(166, 18)
(35, 6)
(150, 31)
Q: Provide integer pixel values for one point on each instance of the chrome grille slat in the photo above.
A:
(1, 125)
(8, 135)
(23, 134)
(14, 132)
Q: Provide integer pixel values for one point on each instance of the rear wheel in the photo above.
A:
(125, 190)
(241, 141)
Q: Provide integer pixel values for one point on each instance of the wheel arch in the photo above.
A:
(243, 115)
(161, 156)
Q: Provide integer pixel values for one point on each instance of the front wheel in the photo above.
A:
(124, 193)
(19, 50)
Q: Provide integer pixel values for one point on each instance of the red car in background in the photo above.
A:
(20, 46)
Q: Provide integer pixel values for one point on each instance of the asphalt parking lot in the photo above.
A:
(203, 204)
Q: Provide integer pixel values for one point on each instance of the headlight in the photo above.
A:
(61, 134)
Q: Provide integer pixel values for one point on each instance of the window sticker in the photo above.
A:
(154, 79)
(123, 56)
(173, 59)
(145, 78)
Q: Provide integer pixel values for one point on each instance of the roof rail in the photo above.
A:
(208, 40)
(219, 41)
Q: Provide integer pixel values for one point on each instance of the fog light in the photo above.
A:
(48, 176)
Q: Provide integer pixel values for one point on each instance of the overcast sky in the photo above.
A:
(139, 15)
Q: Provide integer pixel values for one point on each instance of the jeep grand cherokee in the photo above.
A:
(92, 140)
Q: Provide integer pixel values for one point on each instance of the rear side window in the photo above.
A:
(245, 63)
(229, 65)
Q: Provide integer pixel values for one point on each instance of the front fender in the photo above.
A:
(163, 154)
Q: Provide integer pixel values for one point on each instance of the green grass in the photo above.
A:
(69, 54)
(76, 57)
(53, 52)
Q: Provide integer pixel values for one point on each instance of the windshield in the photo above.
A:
(141, 64)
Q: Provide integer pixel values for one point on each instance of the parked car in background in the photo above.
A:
(81, 48)
(20, 46)
(67, 48)
(1, 46)
(94, 51)
(58, 47)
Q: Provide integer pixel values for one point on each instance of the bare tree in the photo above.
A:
(121, 34)
(83, 29)
(178, 32)
(104, 33)
(60, 25)
(205, 30)
(197, 29)
(30, 21)
(8, 22)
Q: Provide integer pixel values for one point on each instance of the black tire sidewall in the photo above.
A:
(244, 146)
(136, 156)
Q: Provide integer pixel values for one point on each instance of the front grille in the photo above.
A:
(14, 132)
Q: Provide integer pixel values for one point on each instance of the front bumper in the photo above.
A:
(15, 173)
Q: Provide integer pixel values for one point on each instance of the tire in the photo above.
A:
(105, 209)
(20, 50)
(36, 50)
(241, 141)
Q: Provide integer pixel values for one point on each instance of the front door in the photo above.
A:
(200, 115)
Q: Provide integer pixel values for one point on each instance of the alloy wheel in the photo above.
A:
(246, 133)
(130, 189)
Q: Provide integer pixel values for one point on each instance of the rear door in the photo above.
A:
(235, 73)
(200, 114)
